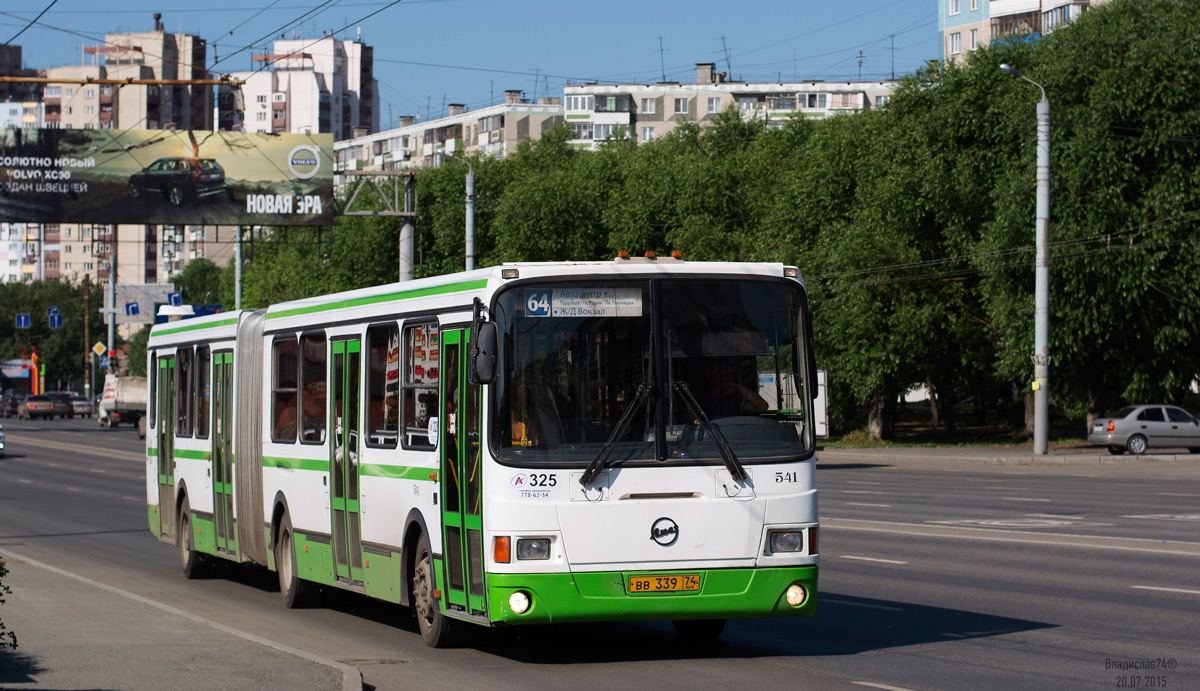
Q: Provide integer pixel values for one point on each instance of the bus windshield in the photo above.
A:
(660, 370)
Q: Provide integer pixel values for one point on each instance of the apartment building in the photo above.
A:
(327, 85)
(967, 24)
(11, 66)
(491, 131)
(12, 237)
(596, 112)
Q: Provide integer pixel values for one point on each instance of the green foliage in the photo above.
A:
(199, 282)
(913, 224)
(64, 351)
(8, 639)
(137, 351)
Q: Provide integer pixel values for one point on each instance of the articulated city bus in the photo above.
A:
(527, 443)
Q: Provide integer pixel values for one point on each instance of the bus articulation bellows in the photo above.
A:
(527, 443)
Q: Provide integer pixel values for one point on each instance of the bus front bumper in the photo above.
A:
(606, 596)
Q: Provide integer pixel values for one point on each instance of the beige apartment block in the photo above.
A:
(492, 131)
(596, 112)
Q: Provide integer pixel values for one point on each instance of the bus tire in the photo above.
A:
(297, 593)
(699, 629)
(436, 628)
(194, 564)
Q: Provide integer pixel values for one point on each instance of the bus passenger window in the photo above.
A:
(283, 393)
(312, 381)
(184, 385)
(203, 394)
(383, 385)
(420, 384)
(152, 409)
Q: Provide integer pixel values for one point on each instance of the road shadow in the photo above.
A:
(851, 466)
(18, 668)
(845, 625)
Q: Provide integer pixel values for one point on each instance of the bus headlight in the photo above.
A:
(538, 548)
(519, 602)
(786, 541)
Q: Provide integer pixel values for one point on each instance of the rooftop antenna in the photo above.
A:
(728, 68)
(491, 92)
(662, 65)
(537, 77)
(860, 56)
(892, 48)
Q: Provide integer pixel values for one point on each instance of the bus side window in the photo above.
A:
(312, 382)
(383, 385)
(284, 366)
(203, 377)
(183, 392)
(420, 383)
(152, 409)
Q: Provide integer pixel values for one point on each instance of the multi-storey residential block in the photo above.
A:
(491, 131)
(596, 112)
(327, 85)
(11, 66)
(968, 24)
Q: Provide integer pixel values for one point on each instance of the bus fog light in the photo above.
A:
(796, 595)
(518, 602)
(533, 549)
(786, 541)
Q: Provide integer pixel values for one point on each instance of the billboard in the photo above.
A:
(165, 177)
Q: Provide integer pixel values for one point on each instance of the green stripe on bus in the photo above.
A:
(397, 472)
(388, 297)
(188, 453)
(295, 463)
(195, 327)
(152, 452)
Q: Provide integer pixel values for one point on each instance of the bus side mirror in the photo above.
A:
(483, 353)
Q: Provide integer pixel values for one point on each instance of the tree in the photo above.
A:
(199, 283)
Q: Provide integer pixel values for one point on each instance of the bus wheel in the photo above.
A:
(699, 629)
(297, 592)
(436, 629)
(194, 564)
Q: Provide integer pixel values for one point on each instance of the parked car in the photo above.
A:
(10, 401)
(62, 403)
(1136, 428)
(180, 180)
(36, 406)
(81, 405)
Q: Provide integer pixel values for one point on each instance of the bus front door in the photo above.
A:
(166, 446)
(460, 451)
(344, 466)
(222, 453)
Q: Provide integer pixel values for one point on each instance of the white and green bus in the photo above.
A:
(527, 443)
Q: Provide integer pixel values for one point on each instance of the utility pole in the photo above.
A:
(470, 239)
(1041, 332)
(860, 58)
(87, 336)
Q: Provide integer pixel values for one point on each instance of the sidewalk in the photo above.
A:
(994, 455)
(74, 633)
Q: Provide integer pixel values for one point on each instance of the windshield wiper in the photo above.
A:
(601, 460)
(736, 471)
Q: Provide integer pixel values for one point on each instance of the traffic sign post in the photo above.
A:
(23, 321)
(99, 348)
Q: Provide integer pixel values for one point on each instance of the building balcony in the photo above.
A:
(53, 117)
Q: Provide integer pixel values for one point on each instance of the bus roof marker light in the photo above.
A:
(650, 254)
(676, 254)
(791, 272)
(509, 273)
(519, 602)
(622, 255)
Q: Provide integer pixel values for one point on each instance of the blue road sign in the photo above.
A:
(175, 299)
(56, 321)
(131, 309)
(50, 312)
(103, 362)
(23, 321)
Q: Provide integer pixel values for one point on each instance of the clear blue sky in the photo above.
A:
(432, 52)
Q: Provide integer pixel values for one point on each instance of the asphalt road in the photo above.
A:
(934, 576)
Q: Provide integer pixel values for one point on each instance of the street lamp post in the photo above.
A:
(470, 211)
(1041, 347)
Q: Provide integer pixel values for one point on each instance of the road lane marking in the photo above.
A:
(832, 601)
(351, 677)
(1123, 544)
(882, 506)
(1186, 517)
(862, 482)
(81, 448)
(861, 491)
(1010, 489)
(1177, 494)
(885, 687)
(137, 499)
(24, 481)
(1166, 590)
(881, 561)
(1023, 499)
(98, 470)
(73, 489)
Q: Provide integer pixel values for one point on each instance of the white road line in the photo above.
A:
(351, 677)
(1177, 494)
(1060, 516)
(54, 465)
(885, 687)
(862, 482)
(1010, 489)
(24, 481)
(882, 506)
(832, 601)
(1023, 499)
(881, 561)
(73, 489)
(137, 499)
(98, 470)
(861, 491)
(1165, 590)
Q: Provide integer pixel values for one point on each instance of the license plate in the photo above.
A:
(675, 583)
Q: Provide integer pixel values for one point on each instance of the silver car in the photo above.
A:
(1136, 428)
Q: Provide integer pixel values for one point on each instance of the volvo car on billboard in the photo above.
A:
(165, 176)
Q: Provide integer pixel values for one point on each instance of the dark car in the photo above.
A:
(180, 180)
(36, 406)
(10, 401)
(63, 407)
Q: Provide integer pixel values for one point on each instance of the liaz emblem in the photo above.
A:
(664, 531)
